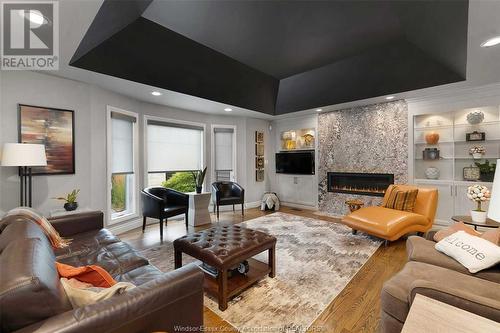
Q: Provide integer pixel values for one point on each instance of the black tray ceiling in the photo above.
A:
(278, 57)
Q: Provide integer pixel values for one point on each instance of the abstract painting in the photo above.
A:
(54, 128)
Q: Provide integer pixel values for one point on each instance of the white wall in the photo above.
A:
(89, 103)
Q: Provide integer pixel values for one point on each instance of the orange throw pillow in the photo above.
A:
(490, 235)
(93, 274)
(459, 226)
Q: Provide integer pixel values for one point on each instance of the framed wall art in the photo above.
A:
(259, 162)
(54, 128)
(259, 149)
(259, 175)
(259, 137)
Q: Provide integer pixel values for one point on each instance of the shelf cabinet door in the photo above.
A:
(463, 205)
(445, 209)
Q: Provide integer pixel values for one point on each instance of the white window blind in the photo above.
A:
(174, 147)
(223, 148)
(122, 145)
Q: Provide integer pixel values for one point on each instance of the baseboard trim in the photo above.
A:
(121, 228)
(296, 205)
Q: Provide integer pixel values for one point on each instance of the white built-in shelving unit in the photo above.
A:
(452, 127)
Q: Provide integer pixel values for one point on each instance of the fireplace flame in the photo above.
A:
(355, 189)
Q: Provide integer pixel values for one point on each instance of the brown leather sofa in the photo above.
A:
(32, 298)
(435, 275)
(391, 224)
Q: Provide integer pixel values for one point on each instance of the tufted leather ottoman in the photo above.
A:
(223, 247)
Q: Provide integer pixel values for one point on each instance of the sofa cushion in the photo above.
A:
(140, 275)
(422, 250)
(445, 285)
(100, 247)
(30, 289)
(382, 221)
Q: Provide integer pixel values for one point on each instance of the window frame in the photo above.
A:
(212, 150)
(109, 160)
(172, 121)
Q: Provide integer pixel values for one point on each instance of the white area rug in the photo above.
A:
(315, 260)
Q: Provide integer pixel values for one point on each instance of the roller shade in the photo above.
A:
(122, 136)
(223, 148)
(174, 147)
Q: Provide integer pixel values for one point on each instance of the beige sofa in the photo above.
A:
(435, 275)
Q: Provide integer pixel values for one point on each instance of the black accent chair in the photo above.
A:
(161, 203)
(227, 193)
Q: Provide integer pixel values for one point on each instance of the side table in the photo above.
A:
(489, 223)
(354, 204)
(198, 208)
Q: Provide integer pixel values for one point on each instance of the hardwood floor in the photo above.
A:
(355, 309)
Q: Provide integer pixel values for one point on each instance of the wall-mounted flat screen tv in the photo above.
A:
(295, 162)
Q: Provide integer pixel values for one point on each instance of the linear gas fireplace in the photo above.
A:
(374, 184)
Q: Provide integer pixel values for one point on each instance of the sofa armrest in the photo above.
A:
(68, 225)
(474, 295)
(167, 304)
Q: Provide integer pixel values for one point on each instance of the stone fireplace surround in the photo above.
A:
(366, 139)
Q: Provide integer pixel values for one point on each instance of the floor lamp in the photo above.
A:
(24, 156)
(494, 208)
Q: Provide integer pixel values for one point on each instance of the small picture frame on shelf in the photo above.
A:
(430, 154)
(475, 136)
(472, 173)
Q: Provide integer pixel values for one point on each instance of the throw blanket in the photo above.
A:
(270, 200)
(55, 239)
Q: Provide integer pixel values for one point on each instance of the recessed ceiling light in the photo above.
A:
(228, 109)
(156, 93)
(491, 42)
(389, 97)
(319, 110)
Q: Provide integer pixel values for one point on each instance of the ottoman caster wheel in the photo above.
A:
(243, 267)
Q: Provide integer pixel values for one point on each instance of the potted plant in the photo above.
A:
(487, 171)
(478, 194)
(70, 200)
(199, 178)
(477, 152)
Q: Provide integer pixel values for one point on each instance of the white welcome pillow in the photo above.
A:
(471, 251)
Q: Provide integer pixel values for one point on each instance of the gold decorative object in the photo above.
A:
(298, 139)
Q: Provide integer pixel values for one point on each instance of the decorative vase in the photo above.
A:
(69, 206)
(432, 138)
(198, 189)
(475, 117)
(432, 173)
(478, 216)
(477, 156)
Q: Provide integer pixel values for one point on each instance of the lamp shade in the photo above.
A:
(494, 208)
(23, 154)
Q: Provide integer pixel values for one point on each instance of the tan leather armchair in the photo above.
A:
(391, 224)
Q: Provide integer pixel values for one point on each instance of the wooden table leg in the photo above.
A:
(178, 259)
(222, 296)
(272, 261)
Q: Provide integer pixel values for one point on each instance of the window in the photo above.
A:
(122, 163)
(224, 153)
(175, 151)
